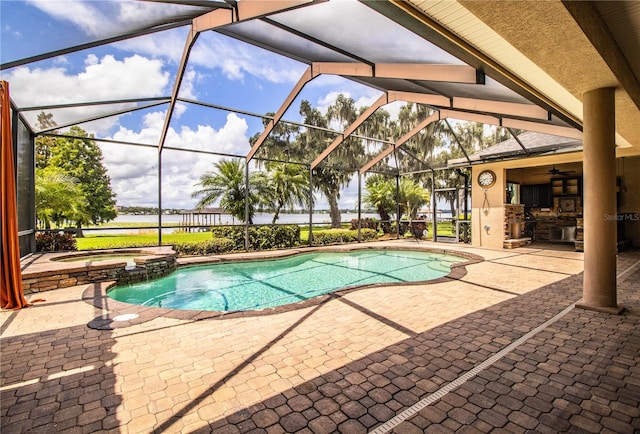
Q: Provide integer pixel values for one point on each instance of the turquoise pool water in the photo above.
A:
(240, 286)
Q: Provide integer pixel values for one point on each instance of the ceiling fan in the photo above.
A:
(555, 172)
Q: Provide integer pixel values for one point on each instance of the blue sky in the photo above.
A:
(222, 71)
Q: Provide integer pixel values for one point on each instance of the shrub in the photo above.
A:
(339, 236)
(260, 237)
(367, 234)
(233, 233)
(404, 227)
(55, 242)
(418, 228)
(209, 247)
(365, 223)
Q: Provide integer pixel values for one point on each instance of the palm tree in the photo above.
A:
(381, 195)
(287, 185)
(412, 197)
(227, 184)
(59, 197)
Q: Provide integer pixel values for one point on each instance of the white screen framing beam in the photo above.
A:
(386, 98)
(221, 17)
(453, 104)
(474, 117)
(554, 130)
(459, 73)
(404, 71)
(304, 79)
(430, 72)
(363, 117)
(422, 125)
(191, 39)
(530, 111)
(446, 73)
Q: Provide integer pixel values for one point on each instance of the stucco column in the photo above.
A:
(599, 189)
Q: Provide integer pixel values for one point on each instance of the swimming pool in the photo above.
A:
(251, 285)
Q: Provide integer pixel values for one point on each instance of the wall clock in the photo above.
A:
(486, 178)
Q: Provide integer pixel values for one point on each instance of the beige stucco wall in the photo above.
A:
(496, 195)
(528, 171)
(490, 214)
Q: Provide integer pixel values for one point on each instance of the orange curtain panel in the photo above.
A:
(11, 295)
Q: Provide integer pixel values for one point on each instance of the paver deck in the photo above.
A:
(502, 349)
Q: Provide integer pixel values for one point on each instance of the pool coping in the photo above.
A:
(48, 271)
(118, 314)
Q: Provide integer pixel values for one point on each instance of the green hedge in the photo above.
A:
(209, 247)
(339, 236)
(260, 237)
(230, 238)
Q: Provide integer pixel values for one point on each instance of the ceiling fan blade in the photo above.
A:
(555, 172)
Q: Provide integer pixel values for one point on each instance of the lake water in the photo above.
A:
(150, 222)
(259, 218)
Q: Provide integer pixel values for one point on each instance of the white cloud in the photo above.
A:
(325, 101)
(105, 18)
(102, 79)
(363, 97)
(85, 15)
(166, 45)
(132, 77)
(189, 84)
(236, 58)
(133, 170)
(394, 109)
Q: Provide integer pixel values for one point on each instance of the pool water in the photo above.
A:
(239, 286)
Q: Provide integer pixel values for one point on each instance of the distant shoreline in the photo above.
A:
(319, 211)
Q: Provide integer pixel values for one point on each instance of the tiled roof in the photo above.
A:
(534, 143)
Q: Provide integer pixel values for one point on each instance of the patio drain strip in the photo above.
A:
(430, 399)
(628, 270)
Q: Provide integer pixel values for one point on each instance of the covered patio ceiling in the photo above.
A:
(518, 65)
(557, 49)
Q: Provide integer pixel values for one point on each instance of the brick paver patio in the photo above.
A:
(499, 350)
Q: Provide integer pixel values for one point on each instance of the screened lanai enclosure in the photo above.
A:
(348, 92)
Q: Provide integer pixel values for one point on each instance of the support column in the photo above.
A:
(599, 187)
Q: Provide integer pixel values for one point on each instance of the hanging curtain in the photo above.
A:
(11, 295)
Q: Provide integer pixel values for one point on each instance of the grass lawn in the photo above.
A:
(96, 242)
(92, 242)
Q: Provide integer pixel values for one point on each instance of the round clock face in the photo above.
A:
(486, 178)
